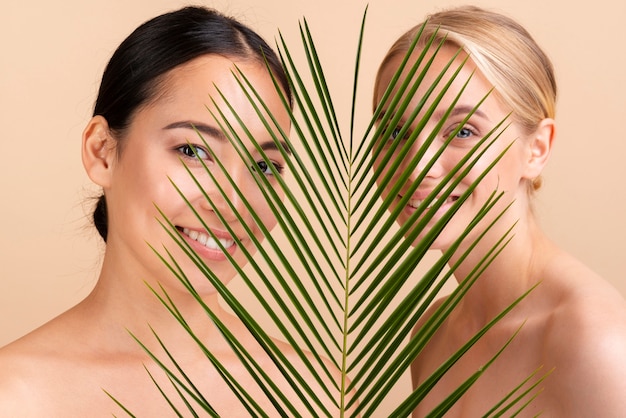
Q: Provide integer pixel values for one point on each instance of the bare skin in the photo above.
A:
(572, 326)
(574, 323)
(63, 368)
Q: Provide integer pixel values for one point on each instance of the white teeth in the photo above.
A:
(207, 240)
(415, 203)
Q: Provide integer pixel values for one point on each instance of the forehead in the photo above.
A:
(435, 59)
(441, 67)
(213, 89)
(215, 81)
(207, 74)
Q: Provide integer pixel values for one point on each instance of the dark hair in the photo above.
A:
(131, 78)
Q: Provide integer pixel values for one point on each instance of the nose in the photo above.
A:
(224, 193)
(433, 169)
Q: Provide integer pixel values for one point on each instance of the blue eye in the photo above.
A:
(193, 151)
(395, 133)
(464, 133)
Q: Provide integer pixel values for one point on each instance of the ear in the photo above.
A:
(539, 146)
(98, 151)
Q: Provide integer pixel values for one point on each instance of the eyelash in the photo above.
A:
(395, 133)
(190, 151)
(470, 131)
(267, 171)
(187, 151)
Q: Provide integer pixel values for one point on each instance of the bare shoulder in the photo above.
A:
(585, 339)
(36, 369)
(590, 324)
(21, 370)
(428, 313)
(586, 301)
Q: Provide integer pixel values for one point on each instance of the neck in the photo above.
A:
(122, 302)
(516, 269)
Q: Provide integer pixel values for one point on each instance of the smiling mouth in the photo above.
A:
(415, 203)
(207, 240)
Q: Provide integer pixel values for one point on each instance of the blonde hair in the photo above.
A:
(503, 51)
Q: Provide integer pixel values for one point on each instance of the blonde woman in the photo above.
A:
(574, 322)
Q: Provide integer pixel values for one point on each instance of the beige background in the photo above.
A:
(52, 55)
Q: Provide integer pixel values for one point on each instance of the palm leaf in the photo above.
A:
(339, 283)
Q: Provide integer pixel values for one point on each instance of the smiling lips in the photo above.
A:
(415, 203)
(207, 240)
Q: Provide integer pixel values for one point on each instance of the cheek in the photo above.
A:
(262, 207)
(384, 172)
(270, 221)
(510, 168)
(259, 205)
(265, 216)
(504, 177)
(142, 185)
(177, 177)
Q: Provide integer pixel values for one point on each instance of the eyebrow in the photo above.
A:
(462, 110)
(199, 126)
(220, 136)
(459, 110)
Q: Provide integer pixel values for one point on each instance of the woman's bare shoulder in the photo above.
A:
(40, 345)
(584, 296)
(428, 313)
(585, 340)
(585, 305)
(35, 365)
(23, 366)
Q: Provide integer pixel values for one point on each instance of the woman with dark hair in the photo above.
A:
(152, 103)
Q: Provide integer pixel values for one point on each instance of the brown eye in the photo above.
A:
(264, 168)
(193, 151)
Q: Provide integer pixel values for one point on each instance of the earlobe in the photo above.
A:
(98, 151)
(540, 144)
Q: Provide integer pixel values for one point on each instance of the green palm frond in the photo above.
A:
(337, 277)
